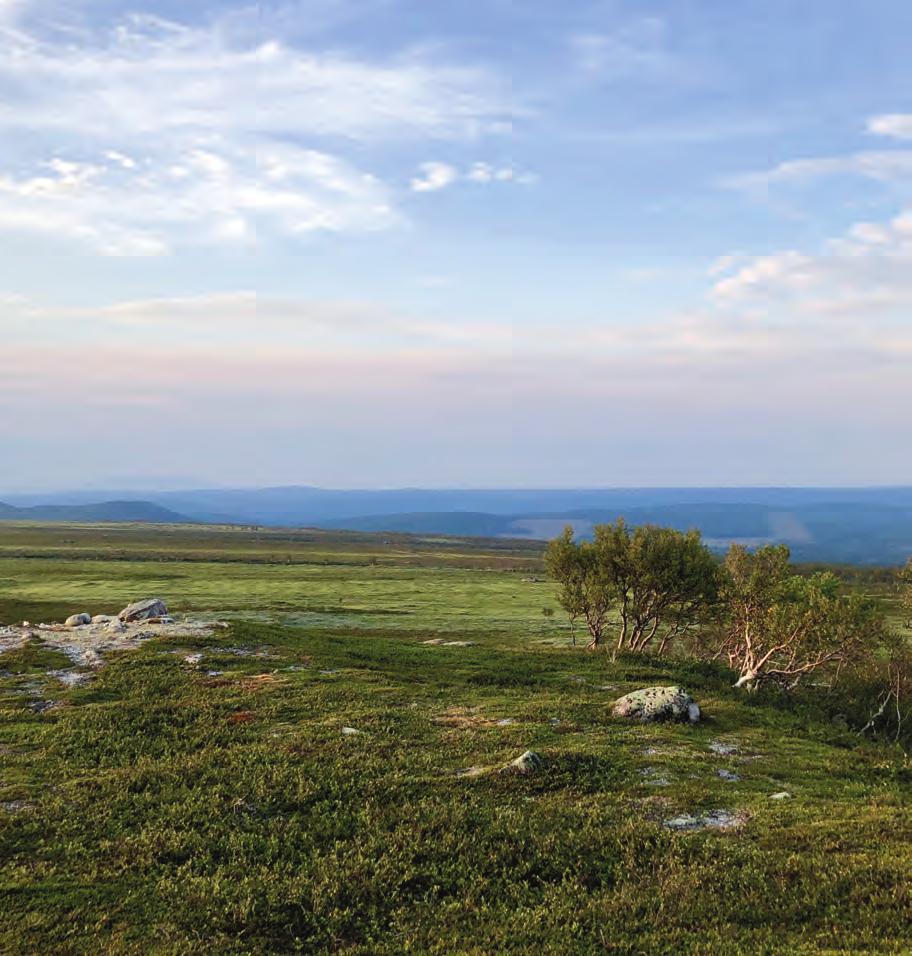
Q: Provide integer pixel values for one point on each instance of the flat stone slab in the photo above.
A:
(711, 820)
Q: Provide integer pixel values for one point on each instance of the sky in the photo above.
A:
(525, 243)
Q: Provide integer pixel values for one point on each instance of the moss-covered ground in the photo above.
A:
(218, 806)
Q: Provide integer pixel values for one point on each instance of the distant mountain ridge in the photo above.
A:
(122, 511)
(847, 525)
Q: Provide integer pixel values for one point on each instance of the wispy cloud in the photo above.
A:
(889, 166)
(152, 133)
(895, 125)
(638, 48)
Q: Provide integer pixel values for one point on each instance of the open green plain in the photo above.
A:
(165, 809)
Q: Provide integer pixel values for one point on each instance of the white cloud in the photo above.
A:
(894, 125)
(865, 274)
(154, 133)
(434, 176)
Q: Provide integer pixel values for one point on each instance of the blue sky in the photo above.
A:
(392, 242)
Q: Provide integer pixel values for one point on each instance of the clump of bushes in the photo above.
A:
(656, 590)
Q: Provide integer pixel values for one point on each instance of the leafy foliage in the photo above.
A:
(782, 626)
(659, 581)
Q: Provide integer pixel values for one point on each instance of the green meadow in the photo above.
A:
(300, 787)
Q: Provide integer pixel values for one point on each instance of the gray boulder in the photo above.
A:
(526, 763)
(77, 620)
(143, 610)
(657, 703)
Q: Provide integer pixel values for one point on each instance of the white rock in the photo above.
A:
(657, 703)
(782, 795)
(525, 763)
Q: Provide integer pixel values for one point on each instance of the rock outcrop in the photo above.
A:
(144, 610)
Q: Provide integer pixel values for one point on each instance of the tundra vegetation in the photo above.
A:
(323, 776)
(662, 591)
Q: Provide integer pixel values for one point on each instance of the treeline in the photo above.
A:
(657, 590)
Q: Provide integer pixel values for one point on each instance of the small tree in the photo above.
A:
(674, 586)
(905, 582)
(658, 581)
(781, 626)
(894, 702)
(586, 590)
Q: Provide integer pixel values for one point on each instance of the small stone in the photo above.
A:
(728, 776)
(471, 772)
(505, 722)
(193, 658)
(78, 620)
(16, 806)
(351, 731)
(782, 795)
(723, 749)
(653, 778)
(70, 678)
(526, 763)
(102, 619)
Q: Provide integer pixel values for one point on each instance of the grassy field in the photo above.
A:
(168, 809)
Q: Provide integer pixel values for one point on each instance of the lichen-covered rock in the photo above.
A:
(143, 610)
(657, 703)
(525, 764)
(77, 620)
